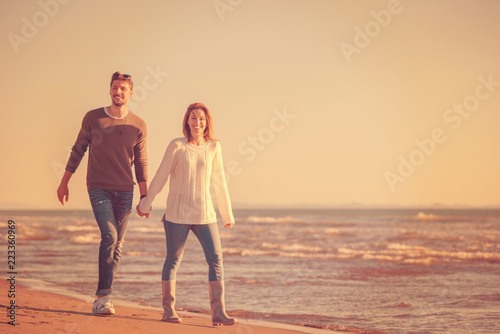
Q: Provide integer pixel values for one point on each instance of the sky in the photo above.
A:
(317, 103)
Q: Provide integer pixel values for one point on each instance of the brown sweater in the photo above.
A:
(115, 144)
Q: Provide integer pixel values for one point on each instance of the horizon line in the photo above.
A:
(305, 207)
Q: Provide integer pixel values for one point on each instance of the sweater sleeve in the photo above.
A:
(82, 143)
(218, 180)
(161, 177)
(141, 156)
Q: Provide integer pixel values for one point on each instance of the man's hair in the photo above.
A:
(209, 129)
(122, 77)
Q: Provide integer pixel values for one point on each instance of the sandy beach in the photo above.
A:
(43, 312)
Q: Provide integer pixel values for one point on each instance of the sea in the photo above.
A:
(346, 270)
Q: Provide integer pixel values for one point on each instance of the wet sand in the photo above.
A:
(43, 312)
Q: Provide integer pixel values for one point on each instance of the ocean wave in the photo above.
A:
(331, 231)
(294, 247)
(418, 255)
(247, 281)
(431, 217)
(246, 251)
(259, 219)
(280, 253)
(317, 256)
(410, 255)
(495, 297)
(426, 251)
(146, 229)
(29, 233)
(133, 253)
(74, 228)
(401, 305)
(86, 239)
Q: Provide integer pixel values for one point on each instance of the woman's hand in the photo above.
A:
(228, 225)
(142, 214)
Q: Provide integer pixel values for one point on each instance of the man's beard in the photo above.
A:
(118, 103)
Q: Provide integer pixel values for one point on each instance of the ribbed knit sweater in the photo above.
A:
(192, 169)
(115, 144)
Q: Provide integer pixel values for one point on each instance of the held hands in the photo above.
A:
(142, 214)
(228, 225)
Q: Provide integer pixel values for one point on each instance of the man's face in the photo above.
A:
(120, 92)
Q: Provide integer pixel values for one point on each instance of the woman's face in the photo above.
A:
(197, 122)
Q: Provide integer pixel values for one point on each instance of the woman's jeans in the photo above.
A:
(111, 211)
(176, 236)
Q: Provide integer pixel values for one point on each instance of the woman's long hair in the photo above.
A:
(208, 133)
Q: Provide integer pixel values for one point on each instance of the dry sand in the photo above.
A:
(43, 312)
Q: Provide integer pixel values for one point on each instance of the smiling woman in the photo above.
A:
(193, 163)
(198, 124)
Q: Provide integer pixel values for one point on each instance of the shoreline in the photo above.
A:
(53, 311)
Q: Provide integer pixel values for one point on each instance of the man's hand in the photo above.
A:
(63, 190)
(140, 213)
(63, 193)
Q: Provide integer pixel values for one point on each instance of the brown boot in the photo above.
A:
(217, 304)
(168, 293)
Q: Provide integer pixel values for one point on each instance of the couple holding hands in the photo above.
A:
(116, 140)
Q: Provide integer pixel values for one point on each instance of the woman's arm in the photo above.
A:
(218, 180)
(160, 178)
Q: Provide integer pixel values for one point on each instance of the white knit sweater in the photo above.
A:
(191, 169)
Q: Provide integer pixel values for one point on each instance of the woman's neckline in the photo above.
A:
(196, 146)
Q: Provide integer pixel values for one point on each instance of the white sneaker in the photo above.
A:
(103, 306)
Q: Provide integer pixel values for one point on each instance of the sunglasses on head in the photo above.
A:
(117, 74)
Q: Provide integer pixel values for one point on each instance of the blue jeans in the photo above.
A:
(176, 236)
(111, 211)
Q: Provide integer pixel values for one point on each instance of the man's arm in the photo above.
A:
(77, 152)
(63, 190)
(143, 188)
(141, 166)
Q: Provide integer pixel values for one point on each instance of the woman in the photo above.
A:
(193, 162)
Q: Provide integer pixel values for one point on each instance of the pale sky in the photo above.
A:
(316, 102)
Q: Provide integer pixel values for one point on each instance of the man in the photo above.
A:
(116, 139)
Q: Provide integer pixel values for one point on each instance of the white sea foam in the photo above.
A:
(428, 216)
(331, 231)
(146, 229)
(293, 247)
(73, 228)
(86, 239)
(138, 254)
(422, 216)
(258, 219)
(26, 232)
(417, 254)
(246, 251)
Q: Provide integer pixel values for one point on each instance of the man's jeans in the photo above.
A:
(111, 211)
